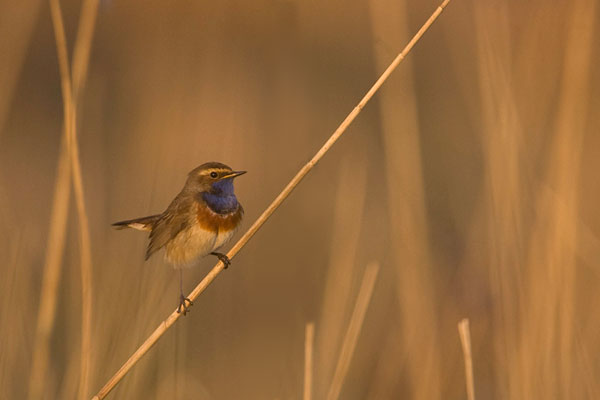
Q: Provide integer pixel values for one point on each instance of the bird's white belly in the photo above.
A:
(188, 246)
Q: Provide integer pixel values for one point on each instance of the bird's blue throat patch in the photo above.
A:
(221, 198)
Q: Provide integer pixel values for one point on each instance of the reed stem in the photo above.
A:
(354, 328)
(70, 93)
(309, 339)
(465, 340)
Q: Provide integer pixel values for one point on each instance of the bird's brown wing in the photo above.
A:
(175, 219)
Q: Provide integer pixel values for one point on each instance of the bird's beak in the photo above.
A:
(233, 174)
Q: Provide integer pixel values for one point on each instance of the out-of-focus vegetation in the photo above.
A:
(471, 179)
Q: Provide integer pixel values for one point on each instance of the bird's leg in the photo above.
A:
(182, 299)
(223, 258)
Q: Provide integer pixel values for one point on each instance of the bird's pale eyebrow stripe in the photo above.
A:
(217, 170)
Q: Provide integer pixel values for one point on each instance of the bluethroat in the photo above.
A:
(199, 220)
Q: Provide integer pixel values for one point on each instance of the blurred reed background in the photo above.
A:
(468, 188)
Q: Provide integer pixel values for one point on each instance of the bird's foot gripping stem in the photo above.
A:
(183, 306)
(223, 258)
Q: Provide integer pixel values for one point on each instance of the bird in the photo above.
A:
(199, 221)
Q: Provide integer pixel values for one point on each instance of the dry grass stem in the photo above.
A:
(465, 341)
(309, 338)
(70, 121)
(351, 337)
(86, 265)
(60, 205)
(167, 323)
(83, 45)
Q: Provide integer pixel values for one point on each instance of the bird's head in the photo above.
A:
(212, 177)
(213, 181)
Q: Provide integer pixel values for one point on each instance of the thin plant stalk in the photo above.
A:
(351, 337)
(59, 215)
(70, 118)
(465, 341)
(210, 277)
(82, 47)
(309, 339)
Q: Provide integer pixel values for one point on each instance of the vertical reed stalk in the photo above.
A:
(309, 339)
(351, 337)
(70, 120)
(82, 47)
(60, 205)
(58, 221)
(465, 341)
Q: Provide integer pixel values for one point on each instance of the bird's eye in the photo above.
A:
(213, 175)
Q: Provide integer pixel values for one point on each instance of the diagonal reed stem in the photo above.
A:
(210, 277)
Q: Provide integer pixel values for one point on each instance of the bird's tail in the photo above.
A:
(141, 224)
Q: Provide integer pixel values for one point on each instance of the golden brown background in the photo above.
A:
(471, 178)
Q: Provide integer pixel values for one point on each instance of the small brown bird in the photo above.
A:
(200, 220)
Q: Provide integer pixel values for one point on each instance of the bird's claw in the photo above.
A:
(183, 306)
(223, 258)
